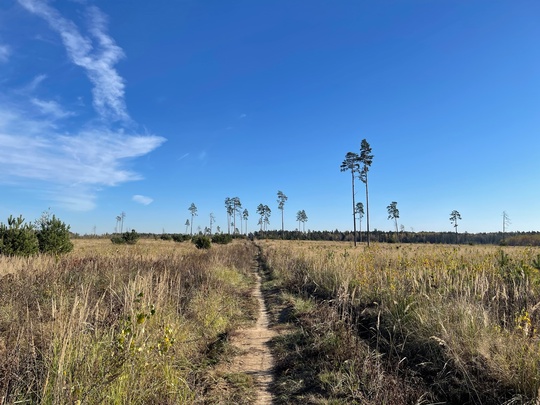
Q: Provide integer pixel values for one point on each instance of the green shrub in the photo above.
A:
(201, 242)
(52, 235)
(222, 239)
(166, 236)
(18, 238)
(129, 238)
(178, 237)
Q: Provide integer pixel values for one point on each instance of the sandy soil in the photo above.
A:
(255, 358)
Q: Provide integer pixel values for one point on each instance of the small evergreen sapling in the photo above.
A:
(52, 235)
(17, 238)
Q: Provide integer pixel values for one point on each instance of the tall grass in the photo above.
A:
(453, 324)
(118, 324)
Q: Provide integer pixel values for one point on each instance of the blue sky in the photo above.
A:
(145, 107)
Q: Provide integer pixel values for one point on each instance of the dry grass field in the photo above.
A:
(392, 324)
(406, 324)
(120, 324)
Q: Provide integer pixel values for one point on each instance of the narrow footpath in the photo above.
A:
(255, 358)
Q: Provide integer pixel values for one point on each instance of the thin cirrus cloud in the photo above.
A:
(71, 165)
(76, 166)
(142, 199)
(97, 57)
(4, 53)
(51, 109)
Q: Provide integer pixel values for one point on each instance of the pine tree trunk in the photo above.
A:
(367, 209)
(282, 225)
(353, 209)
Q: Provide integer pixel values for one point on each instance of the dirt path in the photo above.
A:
(255, 358)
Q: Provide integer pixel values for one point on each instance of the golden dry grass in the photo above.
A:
(464, 319)
(119, 324)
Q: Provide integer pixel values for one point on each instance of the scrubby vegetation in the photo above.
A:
(53, 235)
(48, 235)
(177, 237)
(129, 238)
(120, 324)
(222, 238)
(201, 242)
(406, 324)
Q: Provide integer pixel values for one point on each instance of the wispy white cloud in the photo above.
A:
(51, 108)
(4, 53)
(185, 155)
(141, 199)
(242, 116)
(96, 54)
(202, 155)
(34, 84)
(75, 166)
(40, 152)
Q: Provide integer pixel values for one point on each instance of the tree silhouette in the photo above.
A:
(393, 213)
(304, 220)
(301, 216)
(122, 215)
(505, 224)
(267, 214)
(351, 163)
(264, 211)
(245, 215)
(118, 219)
(230, 211)
(193, 209)
(212, 220)
(187, 225)
(236, 206)
(454, 216)
(282, 198)
(260, 211)
(360, 211)
(366, 158)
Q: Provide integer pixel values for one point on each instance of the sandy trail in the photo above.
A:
(255, 358)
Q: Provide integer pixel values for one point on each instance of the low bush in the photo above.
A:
(129, 238)
(52, 235)
(222, 239)
(178, 237)
(47, 235)
(201, 242)
(18, 238)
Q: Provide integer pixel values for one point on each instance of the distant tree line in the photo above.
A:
(484, 238)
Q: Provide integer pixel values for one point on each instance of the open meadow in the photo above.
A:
(120, 324)
(406, 324)
(390, 324)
